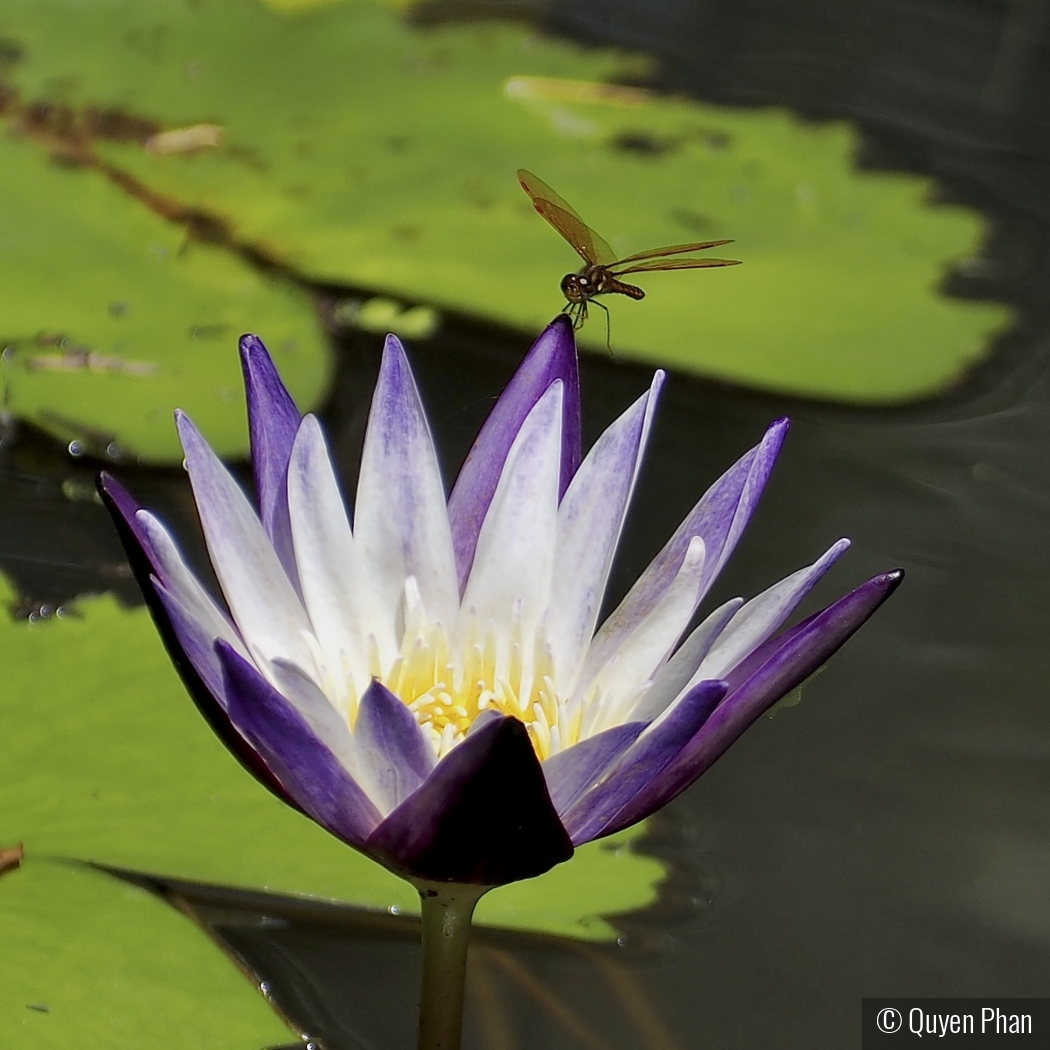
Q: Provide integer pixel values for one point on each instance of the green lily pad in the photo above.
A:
(88, 961)
(111, 318)
(358, 149)
(106, 759)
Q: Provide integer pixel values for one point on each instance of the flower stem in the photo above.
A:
(447, 911)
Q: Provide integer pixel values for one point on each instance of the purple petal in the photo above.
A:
(310, 773)
(209, 702)
(573, 771)
(196, 643)
(393, 744)
(273, 421)
(719, 518)
(483, 816)
(786, 662)
(652, 753)
(553, 356)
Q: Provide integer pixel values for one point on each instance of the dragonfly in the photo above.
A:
(602, 268)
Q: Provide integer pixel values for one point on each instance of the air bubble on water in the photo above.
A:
(76, 448)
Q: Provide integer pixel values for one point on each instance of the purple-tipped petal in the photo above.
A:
(788, 661)
(652, 753)
(310, 773)
(208, 702)
(393, 744)
(764, 614)
(400, 519)
(179, 580)
(719, 518)
(673, 678)
(511, 574)
(273, 421)
(643, 652)
(483, 816)
(124, 508)
(264, 603)
(573, 771)
(552, 357)
(590, 521)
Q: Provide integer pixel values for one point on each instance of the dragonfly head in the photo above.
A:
(578, 287)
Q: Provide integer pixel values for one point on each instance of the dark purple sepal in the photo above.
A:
(553, 356)
(573, 771)
(310, 773)
(273, 421)
(118, 502)
(651, 754)
(390, 737)
(789, 660)
(490, 714)
(484, 816)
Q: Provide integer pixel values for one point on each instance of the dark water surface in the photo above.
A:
(889, 835)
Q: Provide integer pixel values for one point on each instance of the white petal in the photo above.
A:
(757, 620)
(258, 591)
(400, 519)
(590, 521)
(643, 651)
(333, 582)
(512, 566)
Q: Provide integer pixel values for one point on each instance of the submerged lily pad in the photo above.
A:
(358, 149)
(111, 318)
(106, 759)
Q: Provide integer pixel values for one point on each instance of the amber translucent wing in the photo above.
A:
(675, 249)
(673, 264)
(562, 216)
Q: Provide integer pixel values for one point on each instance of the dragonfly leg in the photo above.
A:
(608, 325)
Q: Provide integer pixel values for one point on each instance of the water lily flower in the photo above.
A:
(429, 681)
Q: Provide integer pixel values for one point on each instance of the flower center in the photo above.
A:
(447, 687)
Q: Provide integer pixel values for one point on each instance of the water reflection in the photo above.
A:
(347, 978)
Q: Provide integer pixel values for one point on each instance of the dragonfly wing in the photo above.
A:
(538, 190)
(563, 217)
(675, 249)
(673, 264)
